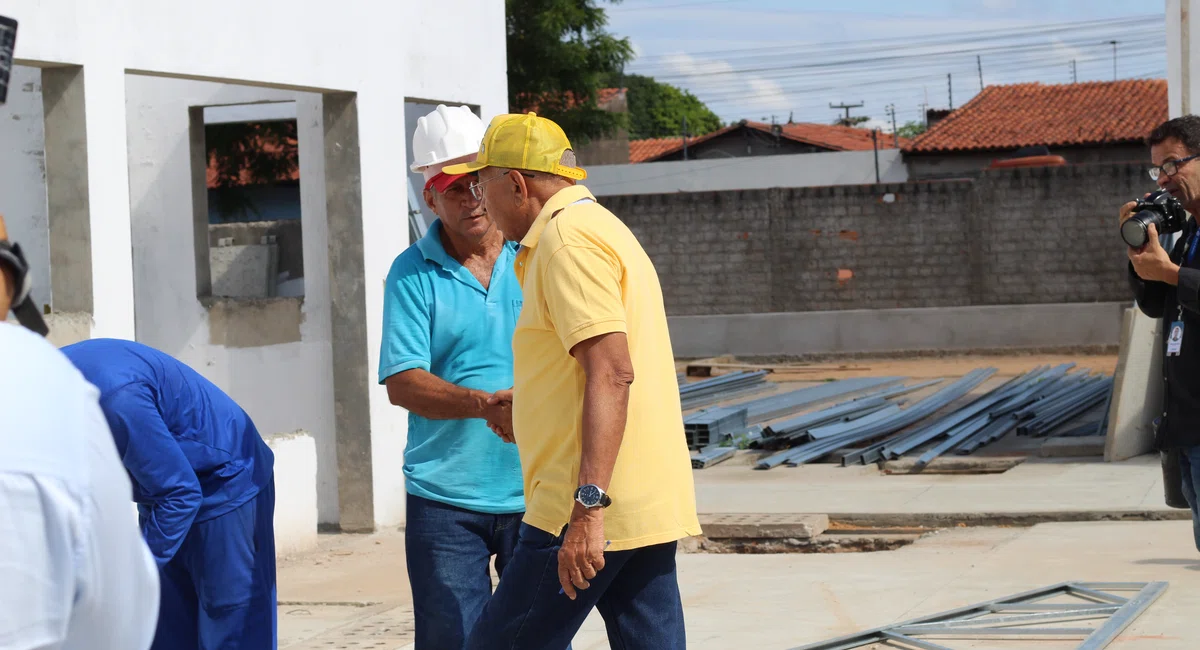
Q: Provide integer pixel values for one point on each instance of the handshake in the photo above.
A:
(498, 414)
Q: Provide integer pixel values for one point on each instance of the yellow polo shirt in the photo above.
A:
(584, 274)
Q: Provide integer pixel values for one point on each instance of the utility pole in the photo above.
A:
(925, 113)
(950, 88)
(875, 143)
(846, 107)
(1074, 77)
(891, 108)
(685, 135)
(1114, 44)
(979, 64)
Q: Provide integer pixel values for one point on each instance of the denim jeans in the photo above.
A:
(1189, 468)
(448, 551)
(636, 592)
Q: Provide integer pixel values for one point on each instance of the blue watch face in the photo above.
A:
(589, 495)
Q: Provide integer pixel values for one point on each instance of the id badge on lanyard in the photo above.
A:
(1175, 334)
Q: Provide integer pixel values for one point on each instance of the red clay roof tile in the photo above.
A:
(836, 138)
(1020, 115)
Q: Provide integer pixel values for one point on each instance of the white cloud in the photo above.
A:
(715, 79)
(768, 94)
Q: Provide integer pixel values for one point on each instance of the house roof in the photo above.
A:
(1021, 115)
(836, 138)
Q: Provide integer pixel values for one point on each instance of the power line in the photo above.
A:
(710, 91)
(934, 38)
(867, 61)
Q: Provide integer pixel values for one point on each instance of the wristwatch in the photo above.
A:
(13, 261)
(591, 496)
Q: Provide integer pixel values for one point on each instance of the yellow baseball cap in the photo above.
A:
(526, 142)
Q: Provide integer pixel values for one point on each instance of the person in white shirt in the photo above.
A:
(75, 573)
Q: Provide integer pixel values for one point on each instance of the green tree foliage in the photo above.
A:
(558, 56)
(911, 129)
(656, 110)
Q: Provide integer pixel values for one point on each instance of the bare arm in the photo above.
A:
(609, 373)
(432, 397)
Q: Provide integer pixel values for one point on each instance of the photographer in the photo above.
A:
(74, 571)
(1167, 286)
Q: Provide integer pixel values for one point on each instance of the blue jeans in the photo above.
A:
(636, 592)
(448, 550)
(218, 592)
(1189, 468)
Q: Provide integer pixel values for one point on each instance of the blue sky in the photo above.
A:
(756, 59)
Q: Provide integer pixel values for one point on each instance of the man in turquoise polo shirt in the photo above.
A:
(450, 306)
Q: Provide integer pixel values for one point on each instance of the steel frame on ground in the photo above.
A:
(1023, 614)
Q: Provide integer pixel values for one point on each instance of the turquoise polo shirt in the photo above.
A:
(439, 318)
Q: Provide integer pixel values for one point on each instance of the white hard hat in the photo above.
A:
(449, 133)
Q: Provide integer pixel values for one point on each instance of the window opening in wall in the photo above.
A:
(252, 177)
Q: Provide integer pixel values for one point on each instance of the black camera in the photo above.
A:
(1162, 210)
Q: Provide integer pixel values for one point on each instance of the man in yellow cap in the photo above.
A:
(595, 406)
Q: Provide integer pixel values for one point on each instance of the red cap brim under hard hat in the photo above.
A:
(442, 181)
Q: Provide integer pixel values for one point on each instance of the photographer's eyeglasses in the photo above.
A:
(478, 193)
(1170, 168)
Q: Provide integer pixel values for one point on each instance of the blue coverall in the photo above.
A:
(204, 486)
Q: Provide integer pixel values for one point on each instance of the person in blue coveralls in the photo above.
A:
(203, 480)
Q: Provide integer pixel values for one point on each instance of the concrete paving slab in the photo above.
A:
(784, 601)
(754, 526)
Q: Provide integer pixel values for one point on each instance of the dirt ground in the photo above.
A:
(917, 367)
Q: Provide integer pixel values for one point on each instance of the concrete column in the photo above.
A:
(67, 189)
(108, 201)
(198, 154)
(351, 374)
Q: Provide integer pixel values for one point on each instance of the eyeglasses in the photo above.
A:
(1170, 168)
(478, 193)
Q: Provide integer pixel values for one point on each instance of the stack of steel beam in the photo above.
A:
(716, 389)
(1043, 417)
(714, 425)
(722, 450)
(958, 426)
(797, 429)
(1037, 401)
(712, 455)
(882, 422)
(784, 404)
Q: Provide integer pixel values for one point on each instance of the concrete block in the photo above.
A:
(247, 271)
(1137, 388)
(1072, 447)
(763, 526)
(295, 491)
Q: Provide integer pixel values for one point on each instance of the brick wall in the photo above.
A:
(1040, 235)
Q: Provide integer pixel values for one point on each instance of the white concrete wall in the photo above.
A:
(23, 175)
(283, 387)
(749, 173)
(449, 51)
(295, 492)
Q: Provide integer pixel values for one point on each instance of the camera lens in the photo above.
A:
(1134, 230)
